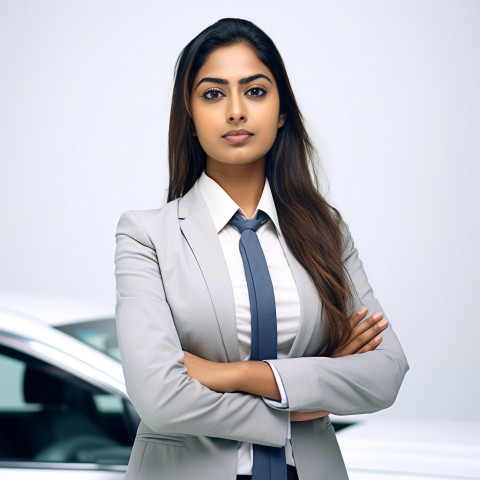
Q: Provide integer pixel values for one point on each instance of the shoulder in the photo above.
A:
(141, 224)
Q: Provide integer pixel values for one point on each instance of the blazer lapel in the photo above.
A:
(197, 226)
(309, 303)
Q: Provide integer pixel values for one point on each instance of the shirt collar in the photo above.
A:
(222, 208)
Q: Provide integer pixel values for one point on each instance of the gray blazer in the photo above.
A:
(173, 294)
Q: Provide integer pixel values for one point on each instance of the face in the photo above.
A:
(235, 107)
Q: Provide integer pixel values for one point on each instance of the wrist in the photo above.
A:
(255, 377)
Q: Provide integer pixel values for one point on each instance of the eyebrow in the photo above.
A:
(242, 81)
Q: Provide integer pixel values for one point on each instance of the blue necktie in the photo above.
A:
(269, 463)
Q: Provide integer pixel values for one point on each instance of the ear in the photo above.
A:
(282, 118)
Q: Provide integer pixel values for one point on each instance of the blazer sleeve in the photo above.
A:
(354, 384)
(167, 400)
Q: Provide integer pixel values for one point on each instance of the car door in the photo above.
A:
(54, 424)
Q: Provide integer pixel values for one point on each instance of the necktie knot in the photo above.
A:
(242, 224)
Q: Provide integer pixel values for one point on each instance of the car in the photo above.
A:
(90, 322)
(64, 410)
(385, 448)
(50, 344)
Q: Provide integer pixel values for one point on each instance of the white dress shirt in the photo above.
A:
(222, 208)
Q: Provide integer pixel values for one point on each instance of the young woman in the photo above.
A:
(194, 312)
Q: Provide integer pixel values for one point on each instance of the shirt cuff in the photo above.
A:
(283, 403)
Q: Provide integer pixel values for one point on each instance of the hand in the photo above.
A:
(304, 416)
(365, 335)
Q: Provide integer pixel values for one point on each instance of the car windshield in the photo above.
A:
(100, 334)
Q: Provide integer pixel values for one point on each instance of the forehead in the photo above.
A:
(232, 62)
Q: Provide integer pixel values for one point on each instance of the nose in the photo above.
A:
(236, 111)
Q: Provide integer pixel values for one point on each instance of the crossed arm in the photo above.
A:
(169, 399)
(257, 378)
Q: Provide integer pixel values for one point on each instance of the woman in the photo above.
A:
(194, 320)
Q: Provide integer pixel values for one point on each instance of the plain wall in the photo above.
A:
(390, 91)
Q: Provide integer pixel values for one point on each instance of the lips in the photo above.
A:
(237, 136)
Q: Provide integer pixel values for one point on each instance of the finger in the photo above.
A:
(358, 316)
(305, 416)
(366, 324)
(361, 340)
(356, 339)
(371, 345)
(368, 335)
(362, 333)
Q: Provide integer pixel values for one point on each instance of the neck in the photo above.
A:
(243, 183)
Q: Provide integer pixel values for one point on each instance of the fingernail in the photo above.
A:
(383, 323)
(377, 316)
(378, 338)
(362, 310)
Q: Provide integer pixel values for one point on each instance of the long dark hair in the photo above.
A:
(311, 226)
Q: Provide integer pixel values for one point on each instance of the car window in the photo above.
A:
(100, 334)
(11, 394)
(48, 415)
(108, 403)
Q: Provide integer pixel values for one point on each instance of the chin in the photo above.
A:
(242, 161)
(237, 160)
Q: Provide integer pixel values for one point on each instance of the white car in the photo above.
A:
(91, 323)
(64, 410)
(381, 448)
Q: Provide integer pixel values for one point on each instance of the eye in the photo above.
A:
(256, 92)
(213, 94)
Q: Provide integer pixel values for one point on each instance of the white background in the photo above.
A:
(390, 90)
